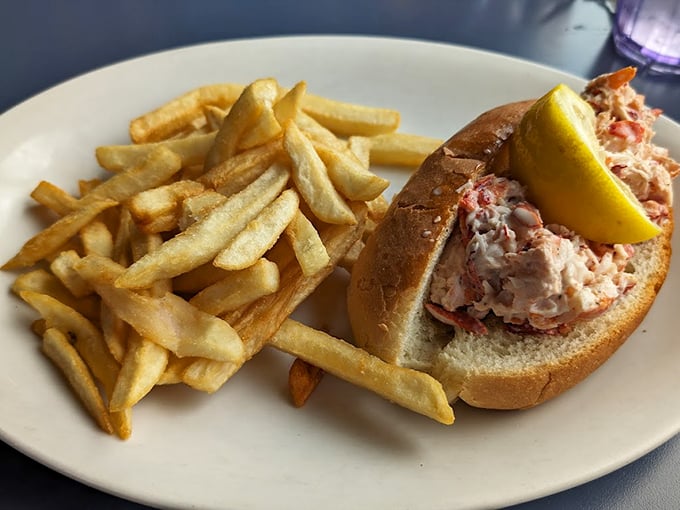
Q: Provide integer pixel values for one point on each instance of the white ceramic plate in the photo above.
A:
(246, 446)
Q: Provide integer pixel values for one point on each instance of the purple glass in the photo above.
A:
(648, 32)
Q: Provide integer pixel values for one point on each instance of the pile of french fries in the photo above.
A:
(229, 207)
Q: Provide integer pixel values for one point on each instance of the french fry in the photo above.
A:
(312, 181)
(115, 332)
(198, 279)
(377, 207)
(121, 242)
(154, 170)
(97, 239)
(200, 242)
(242, 115)
(62, 268)
(196, 207)
(122, 423)
(349, 176)
(142, 367)
(350, 119)
(175, 115)
(318, 133)
(258, 158)
(266, 128)
(238, 288)
(160, 224)
(191, 150)
(303, 378)
(360, 146)
(214, 116)
(43, 282)
(174, 369)
(87, 185)
(401, 149)
(151, 204)
(208, 375)
(260, 234)
(58, 349)
(89, 342)
(409, 388)
(49, 240)
(54, 198)
(169, 321)
(287, 108)
(347, 262)
(306, 244)
(142, 243)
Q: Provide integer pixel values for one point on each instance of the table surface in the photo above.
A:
(45, 43)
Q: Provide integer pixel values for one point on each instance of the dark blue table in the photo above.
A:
(44, 43)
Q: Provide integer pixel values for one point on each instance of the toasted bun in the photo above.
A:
(500, 370)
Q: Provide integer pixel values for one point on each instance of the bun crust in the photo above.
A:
(391, 279)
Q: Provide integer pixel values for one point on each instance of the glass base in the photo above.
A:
(633, 51)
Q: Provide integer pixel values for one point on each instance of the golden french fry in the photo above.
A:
(377, 207)
(198, 279)
(258, 158)
(57, 347)
(402, 149)
(85, 186)
(214, 116)
(89, 342)
(196, 207)
(303, 378)
(142, 243)
(349, 176)
(409, 388)
(360, 146)
(162, 201)
(54, 198)
(242, 115)
(154, 170)
(174, 369)
(49, 240)
(260, 234)
(165, 223)
(288, 107)
(350, 119)
(318, 133)
(175, 115)
(191, 150)
(238, 181)
(347, 262)
(307, 245)
(265, 129)
(115, 332)
(122, 423)
(39, 326)
(238, 288)
(121, 242)
(96, 238)
(207, 375)
(142, 367)
(169, 321)
(43, 282)
(312, 181)
(62, 268)
(201, 241)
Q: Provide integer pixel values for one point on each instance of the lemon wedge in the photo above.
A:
(555, 154)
